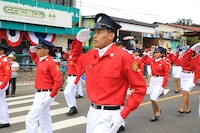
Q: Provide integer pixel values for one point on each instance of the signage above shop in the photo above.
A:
(34, 15)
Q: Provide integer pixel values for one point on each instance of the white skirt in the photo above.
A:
(186, 80)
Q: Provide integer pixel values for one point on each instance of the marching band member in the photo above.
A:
(47, 83)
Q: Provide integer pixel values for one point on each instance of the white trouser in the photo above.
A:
(80, 88)
(155, 87)
(39, 114)
(70, 92)
(4, 116)
(100, 121)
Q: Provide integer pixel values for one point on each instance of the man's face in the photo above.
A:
(1, 51)
(42, 52)
(103, 38)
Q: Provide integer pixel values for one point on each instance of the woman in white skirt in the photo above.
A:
(159, 78)
(175, 57)
(189, 76)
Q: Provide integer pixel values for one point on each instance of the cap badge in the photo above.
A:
(99, 19)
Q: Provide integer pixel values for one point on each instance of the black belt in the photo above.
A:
(41, 90)
(105, 107)
(71, 75)
(157, 75)
(187, 71)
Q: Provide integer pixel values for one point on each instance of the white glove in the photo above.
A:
(193, 85)
(47, 101)
(196, 47)
(83, 35)
(161, 90)
(150, 53)
(118, 121)
(173, 52)
(32, 49)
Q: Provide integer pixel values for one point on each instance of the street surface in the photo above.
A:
(137, 122)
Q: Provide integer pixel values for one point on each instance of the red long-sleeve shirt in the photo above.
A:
(72, 57)
(158, 68)
(108, 78)
(5, 71)
(48, 75)
(189, 62)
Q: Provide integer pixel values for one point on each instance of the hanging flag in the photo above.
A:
(32, 37)
(13, 38)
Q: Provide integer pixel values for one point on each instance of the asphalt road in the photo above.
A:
(137, 122)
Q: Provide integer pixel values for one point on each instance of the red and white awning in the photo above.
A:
(32, 37)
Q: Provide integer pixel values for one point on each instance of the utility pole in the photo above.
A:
(80, 19)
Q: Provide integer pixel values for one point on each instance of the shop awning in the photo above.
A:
(38, 28)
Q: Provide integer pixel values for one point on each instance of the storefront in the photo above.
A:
(23, 21)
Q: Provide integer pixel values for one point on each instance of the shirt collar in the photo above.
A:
(42, 58)
(103, 50)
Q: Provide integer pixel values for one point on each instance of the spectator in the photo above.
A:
(25, 59)
(14, 68)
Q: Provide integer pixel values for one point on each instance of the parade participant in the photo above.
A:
(159, 78)
(47, 82)
(148, 66)
(72, 56)
(189, 76)
(14, 68)
(109, 70)
(175, 58)
(136, 54)
(5, 74)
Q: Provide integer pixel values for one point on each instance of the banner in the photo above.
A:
(13, 38)
(32, 37)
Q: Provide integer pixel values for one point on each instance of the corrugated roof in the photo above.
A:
(195, 29)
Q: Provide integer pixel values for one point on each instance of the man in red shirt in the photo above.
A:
(5, 74)
(47, 83)
(109, 70)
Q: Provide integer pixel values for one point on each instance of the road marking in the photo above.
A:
(20, 102)
(25, 108)
(64, 124)
(22, 118)
(165, 91)
(19, 97)
(169, 98)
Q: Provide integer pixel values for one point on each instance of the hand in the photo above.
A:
(47, 101)
(196, 47)
(118, 121)
(161, 90)
(83, 35)
(193, 85)
(32, 49)
(150, 53)
(173, 52)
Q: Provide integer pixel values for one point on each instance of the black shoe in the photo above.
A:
(155, 118)
(79, 96)
(181, 112)
(177, 91)
(4, 125)
(187, 112)
(72, 111)
(121, 129)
